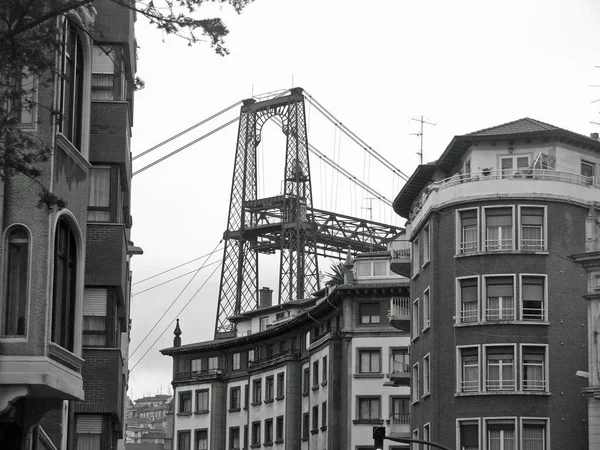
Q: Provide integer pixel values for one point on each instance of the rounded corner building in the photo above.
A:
(499, 304)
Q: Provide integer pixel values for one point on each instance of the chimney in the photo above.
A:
(177, 333)
(594, 136)
(265, 297)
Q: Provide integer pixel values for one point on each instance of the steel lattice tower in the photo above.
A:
(285, 223)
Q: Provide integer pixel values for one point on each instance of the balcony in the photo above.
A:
(401, 261)
(200, 375)
(542, 183)
(399, 425)
(399, 314)
(266, 361)
(399, 370)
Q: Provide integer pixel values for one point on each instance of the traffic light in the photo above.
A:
(378, 437)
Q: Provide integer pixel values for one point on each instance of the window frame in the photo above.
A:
(544, 300)
(255, 438)
(324, 370)
(305, 431)
(181, 433)
(545, 367)
(370, 398)
(486, 426)
(415, 380)
(4, 335)
(546, 420)
(280, 385)
(426, 238)
(415, 319)
(199, 433)
(514, 157)
(426, 309)
(269, 388)
(544, 245)
(458, 296)
(323, 415)
(235, 406)
(197, 394)
(371, 351)
(256, 391)
(416, 257)
(460, 369)
(468, 421)
(314, 419)
(315, 373)
(484, 239)
(279, 429)
(426, 375)
(460, 247)
(232, 431)
(236, 361)
(369, 304)
(515, 369)
(269, 432)
(181, 409)
(484, 297)
(104, 332)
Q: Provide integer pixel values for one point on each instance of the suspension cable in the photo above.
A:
(173, 279)
(186, 130)
(185, 146)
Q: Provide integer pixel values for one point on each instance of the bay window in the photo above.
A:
(498, 228)
(71, 89)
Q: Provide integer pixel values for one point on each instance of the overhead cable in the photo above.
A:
(186, 130)
(173, 279)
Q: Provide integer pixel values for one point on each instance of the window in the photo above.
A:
(264, 321)
(468, 231)
(415, 383)
(196, 365)
(107, 74)
(184, 440)
(500, 368)
(185, 402)
(400, 411)
(587, 169)
(469, 434)
(280, 384)
(269, 431)
(236, 361)
(416, 319)
(324, 372)
(184, 366)
(469, 369)
(279, 429)
(315, 418)
(234, 438)
(324, 414)
(94, 317)
(65, 286)
(533, 297)
(269, 388)
(514, 165)
(256, 392)
(281, 315)
(250, 356)
(533, 434)
(201, 440)
(89, 432)
(426, 372)
(366, 269)
(469, 301)
(426, 433)
(415, 435)
(369, 408)
(498, 229)
(369, 313)
(305, 380)
(255, 433)
(532, 228)
(19, 98)
(245, 436)
(416, 264)
(380, 268)
(71, 90)
(213, 363)
(500, 300)
(315, 373)
(426, 309)
(246, 396)
(305, 424)
(426, 251)
(369, 361)
(534, 368)
(202, 400)
(235, 398)
(270, 350)
(17, 272)
(501, 434)
(399, 361)
(99, 198)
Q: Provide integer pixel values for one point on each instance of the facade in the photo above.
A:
(65, 274)
(148, 421)
(499, 327)
(310, 373)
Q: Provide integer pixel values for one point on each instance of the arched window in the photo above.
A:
(71, 85)
(17, 269)
(65, 277)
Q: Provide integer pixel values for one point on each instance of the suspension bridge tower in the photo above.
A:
(283, 223)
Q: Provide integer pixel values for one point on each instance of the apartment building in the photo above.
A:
(310, 373)
(499, 326)
(65, 273)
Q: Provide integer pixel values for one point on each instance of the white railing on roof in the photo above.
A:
(400, 306)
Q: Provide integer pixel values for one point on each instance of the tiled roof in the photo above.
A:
(525, 125)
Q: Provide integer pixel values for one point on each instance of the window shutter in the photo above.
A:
(468, 218)
(496, 217)
(94, 302)
(499, 287)
(469, 290)
(103, 63)
(533, 288)
(532, 216)
(89, 424)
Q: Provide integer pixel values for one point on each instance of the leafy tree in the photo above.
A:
(335, 274)
(29, 44)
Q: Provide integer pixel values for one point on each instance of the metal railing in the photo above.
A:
(400, 306)
(534, 313)
(500, 385)
(469, 385)
(266, 359)
(534, 385)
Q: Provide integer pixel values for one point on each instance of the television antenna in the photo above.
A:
(420, 134)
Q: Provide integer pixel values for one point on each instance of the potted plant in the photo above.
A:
(486, 171)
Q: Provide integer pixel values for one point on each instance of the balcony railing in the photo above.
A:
(204, 373)
(399, 423)
(500, 385)
(333, 331)
(534, 385)
(399, 313)
(534, 313)
(265, 360)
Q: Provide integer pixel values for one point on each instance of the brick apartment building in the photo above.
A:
(65, 330)
(499, 326)
(311, 373)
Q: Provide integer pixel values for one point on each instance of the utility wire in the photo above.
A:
(354, 137)
(172, 303)
(176, 267)
(186, 130)
(173, 279)
(171, 323)
(185, 146)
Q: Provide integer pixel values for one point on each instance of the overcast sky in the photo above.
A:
(464, 65)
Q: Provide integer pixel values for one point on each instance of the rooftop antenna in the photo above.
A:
(420, 134)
